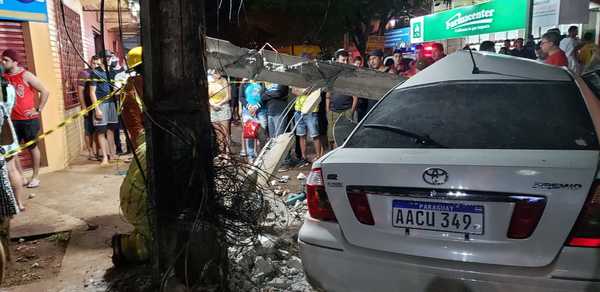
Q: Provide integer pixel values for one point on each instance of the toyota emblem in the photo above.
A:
(435, 176)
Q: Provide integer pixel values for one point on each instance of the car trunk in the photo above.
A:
(488, 181)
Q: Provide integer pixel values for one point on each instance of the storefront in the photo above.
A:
(470, 22)
(21, 24)
(486, 19)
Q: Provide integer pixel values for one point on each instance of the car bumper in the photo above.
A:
(330, 263)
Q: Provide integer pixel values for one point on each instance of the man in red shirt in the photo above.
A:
(30, 100)
(437, 52)
(549, 46)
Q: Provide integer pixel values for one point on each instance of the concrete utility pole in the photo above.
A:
(180, 143)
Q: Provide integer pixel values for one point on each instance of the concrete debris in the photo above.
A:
(31, 196)
(301, 176)
(270, 262)
(280, 283)
(295, 262)
(263, 266)
(273, 183)
(270, 217)
(274, 267)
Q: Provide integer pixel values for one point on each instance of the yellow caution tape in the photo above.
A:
(62, 124)
(95, 80)
(78, 115)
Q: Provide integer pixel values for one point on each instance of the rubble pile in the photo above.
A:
(272, 264)
(287, 202)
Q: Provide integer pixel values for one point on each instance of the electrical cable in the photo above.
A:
(240, 222)
(195, 164)
(329, 2)
(128, 141)
(108, 76)
(62, 9)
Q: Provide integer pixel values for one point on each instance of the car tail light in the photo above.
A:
(361, 208)
(525, 218)
(316, 197)
(586, 232)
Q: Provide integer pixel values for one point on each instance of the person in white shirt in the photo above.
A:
(570, 45)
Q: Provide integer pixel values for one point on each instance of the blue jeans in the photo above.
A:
(261, 118)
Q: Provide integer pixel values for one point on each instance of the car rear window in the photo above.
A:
(481, 115)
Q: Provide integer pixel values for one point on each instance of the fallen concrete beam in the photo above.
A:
(284, 69)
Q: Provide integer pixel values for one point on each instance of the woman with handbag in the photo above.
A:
(9, 143)
(9, 205)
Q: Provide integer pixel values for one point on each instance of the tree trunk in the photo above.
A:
(180, 143)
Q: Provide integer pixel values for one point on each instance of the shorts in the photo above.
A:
(332, 117)
(88, 124)
(307, 123)
(27, 130)
(109, 115)
(221, 115)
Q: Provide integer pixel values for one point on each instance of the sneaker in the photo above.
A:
(243, 153)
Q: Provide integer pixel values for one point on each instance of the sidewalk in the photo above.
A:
(83, 198)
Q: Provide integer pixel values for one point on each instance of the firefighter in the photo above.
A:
(131, 97)
(134, 247)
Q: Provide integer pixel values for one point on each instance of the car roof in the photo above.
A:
(459, 67)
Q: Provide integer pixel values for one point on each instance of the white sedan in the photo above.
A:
(463, 180)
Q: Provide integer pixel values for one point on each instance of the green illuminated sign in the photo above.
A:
(489, 17)
(416, 30)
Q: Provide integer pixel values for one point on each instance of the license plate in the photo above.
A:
(446, 217)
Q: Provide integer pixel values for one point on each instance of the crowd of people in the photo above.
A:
(102, 126)
(554, 48)
(24, 97)
(240, 101)
(248, 102)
